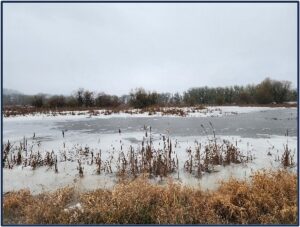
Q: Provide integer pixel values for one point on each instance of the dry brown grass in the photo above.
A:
(267, 198)
(11, 111)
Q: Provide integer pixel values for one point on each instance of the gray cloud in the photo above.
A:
(56, 48)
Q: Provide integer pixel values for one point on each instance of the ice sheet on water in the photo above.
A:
(44, 179)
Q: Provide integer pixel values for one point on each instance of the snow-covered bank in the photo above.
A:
(210, 111)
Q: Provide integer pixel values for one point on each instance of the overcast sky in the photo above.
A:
(57, 48)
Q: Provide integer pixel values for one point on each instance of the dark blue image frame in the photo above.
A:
(154, 2)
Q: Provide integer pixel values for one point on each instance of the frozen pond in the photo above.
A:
(252, 125)
(259, 132)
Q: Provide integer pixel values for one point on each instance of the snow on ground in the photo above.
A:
(210, 111)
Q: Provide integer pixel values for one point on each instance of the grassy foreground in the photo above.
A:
(268, 197)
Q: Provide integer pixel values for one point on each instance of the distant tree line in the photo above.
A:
(267, 92)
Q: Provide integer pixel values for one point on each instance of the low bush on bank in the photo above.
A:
(266, 198)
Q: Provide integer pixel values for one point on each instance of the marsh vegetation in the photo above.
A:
(267, 198)
(162, 165)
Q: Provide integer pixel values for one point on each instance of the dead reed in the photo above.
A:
(147, 159)
(287, 158)
(204, 158)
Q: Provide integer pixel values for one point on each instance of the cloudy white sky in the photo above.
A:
(57, 48)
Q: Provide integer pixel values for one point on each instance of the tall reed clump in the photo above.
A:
(214, 154)
(267, 198)
(147, 159)
(23, 154)
(204, 158)
(287, 158)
